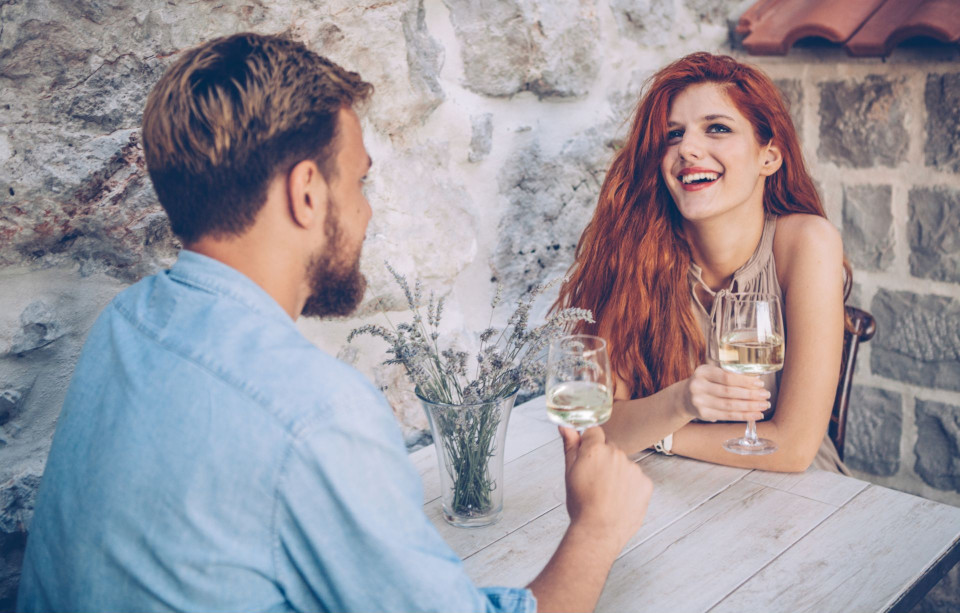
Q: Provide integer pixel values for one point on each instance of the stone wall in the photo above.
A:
(491, 129)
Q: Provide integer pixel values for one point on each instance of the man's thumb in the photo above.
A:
(571, 445)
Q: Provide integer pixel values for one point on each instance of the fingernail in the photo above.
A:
(766, 394)
(758, 382)
(768, 404)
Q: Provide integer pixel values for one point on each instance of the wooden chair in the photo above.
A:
(860, 330)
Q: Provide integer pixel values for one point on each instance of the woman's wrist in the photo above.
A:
(681, 402)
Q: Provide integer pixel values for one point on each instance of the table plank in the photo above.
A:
(519, 557)
(679, 485)
(863, 558)
(699, 559)
(831, 488)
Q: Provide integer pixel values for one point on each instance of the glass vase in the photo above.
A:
(469, 440)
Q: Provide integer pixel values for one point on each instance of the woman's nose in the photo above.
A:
(690, 148)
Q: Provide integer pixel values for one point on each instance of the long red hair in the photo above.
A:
(632, 260)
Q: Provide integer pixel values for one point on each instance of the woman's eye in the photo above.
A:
(674, 135)
(717, 128)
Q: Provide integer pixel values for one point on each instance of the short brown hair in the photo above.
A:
(229, 116)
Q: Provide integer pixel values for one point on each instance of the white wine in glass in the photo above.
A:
(743, 352)
(579, 404)
(751, 343)
(579, 388)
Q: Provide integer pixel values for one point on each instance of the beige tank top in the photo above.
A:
(759, 274)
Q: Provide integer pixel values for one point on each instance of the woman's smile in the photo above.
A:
(696, 179)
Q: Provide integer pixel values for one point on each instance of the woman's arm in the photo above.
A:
(809, 256)
(710, 394)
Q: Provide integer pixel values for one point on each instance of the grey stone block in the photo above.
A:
(938, 444)
(83, 201)
(551, 199)
(481, 136)
(868, 226)
(511, 46)
(40, 326)
(856, 295)
(917, 339)
(713, 11)
(649, 22)
(862, 122)
(792, 90)
(424, 56)
(934, 233)
(942, 99)
(12, 547)
(112, 98)
(11, 402)
(17, 497)
(874, 426)
(623, 98)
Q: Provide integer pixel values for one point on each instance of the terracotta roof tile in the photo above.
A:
(897, 21)
(864, 27)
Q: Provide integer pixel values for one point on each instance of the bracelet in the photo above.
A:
(665, 445)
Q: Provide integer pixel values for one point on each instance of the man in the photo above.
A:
(209, 457)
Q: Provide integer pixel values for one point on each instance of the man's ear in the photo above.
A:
(772, 159)
(307, 194)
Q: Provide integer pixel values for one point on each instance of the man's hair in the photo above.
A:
(232, 114)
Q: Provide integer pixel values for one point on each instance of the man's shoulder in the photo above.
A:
(260, 356)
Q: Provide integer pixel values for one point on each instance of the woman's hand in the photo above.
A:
(713, 394)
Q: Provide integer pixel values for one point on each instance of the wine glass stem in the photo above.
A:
(751, 433)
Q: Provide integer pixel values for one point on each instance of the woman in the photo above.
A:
(710, 193)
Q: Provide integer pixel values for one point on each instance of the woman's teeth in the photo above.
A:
(698, 177)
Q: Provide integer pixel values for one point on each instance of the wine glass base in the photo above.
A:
(761, 446)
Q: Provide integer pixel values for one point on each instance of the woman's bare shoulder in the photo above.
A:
(806, 230)
(808, 240)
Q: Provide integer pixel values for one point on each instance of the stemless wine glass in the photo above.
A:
(751, 342)
(579, 388)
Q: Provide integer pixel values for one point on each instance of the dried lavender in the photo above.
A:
(508, 359)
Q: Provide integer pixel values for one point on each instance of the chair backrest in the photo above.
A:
(863, 327)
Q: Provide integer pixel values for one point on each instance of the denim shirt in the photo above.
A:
(209, 457)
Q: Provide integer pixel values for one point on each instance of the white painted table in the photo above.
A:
(716, 538)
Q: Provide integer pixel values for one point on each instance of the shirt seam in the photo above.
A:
(251, 394)
(216, 289)
(275, 520)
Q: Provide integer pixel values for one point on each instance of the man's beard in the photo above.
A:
(337, 285)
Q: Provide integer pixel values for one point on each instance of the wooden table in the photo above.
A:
(716, 538)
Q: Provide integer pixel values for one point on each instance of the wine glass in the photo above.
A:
(579, 388)
(751, 342)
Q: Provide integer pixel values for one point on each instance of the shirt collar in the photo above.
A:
(214, 276)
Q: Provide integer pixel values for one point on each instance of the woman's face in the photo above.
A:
(713, 163)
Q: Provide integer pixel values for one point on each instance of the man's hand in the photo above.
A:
(607, 494)
(607, 498)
